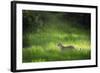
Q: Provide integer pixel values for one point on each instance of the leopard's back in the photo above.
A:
(65, 47)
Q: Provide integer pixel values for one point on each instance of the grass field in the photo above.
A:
(42, 45)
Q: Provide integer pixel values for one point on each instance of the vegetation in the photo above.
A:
(42, 31)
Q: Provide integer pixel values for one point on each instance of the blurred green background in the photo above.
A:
(44, 30)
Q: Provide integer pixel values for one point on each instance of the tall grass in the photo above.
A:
(38, 54)
(43, 47)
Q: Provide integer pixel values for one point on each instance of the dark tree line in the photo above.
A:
(34, 21)
(82, 19)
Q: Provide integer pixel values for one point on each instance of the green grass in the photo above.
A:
(44, 47)
(38, 54)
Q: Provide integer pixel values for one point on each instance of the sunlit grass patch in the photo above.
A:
(43, 47)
